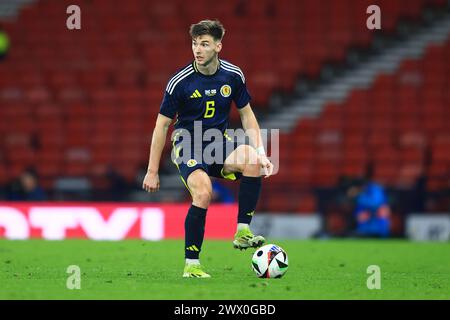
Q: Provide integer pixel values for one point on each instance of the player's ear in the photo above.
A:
(218, 46)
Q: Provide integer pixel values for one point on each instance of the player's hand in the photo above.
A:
(151, 182)
(266, 165)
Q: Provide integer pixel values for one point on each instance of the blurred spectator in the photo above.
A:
(4, 43)
(26, 188)
(118, 187)
(221, 193)
(3, 192)
(372, 210)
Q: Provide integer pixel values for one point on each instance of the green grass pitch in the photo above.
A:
(133, 269)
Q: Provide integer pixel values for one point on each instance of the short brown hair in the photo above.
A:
(213, 28)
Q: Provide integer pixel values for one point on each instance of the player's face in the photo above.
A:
(205, 49)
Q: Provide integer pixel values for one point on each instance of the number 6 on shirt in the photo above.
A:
(210, 110)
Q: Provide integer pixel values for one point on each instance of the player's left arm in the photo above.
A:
(251, 128)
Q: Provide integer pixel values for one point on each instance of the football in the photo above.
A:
(270, 261)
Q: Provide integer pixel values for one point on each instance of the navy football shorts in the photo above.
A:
(195, 158)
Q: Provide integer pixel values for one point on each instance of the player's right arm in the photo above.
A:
(167, 111)
(151, 179)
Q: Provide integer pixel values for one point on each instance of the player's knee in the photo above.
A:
(202, 197)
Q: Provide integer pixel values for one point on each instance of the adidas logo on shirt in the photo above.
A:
(196, 94)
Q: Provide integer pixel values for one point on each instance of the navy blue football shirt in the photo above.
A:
(193, 96)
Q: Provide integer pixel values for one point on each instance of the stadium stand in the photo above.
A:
(75, 103)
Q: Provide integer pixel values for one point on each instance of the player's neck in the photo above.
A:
(210, 68)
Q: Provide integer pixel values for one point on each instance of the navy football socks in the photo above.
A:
(248, 198)
(194, 230)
